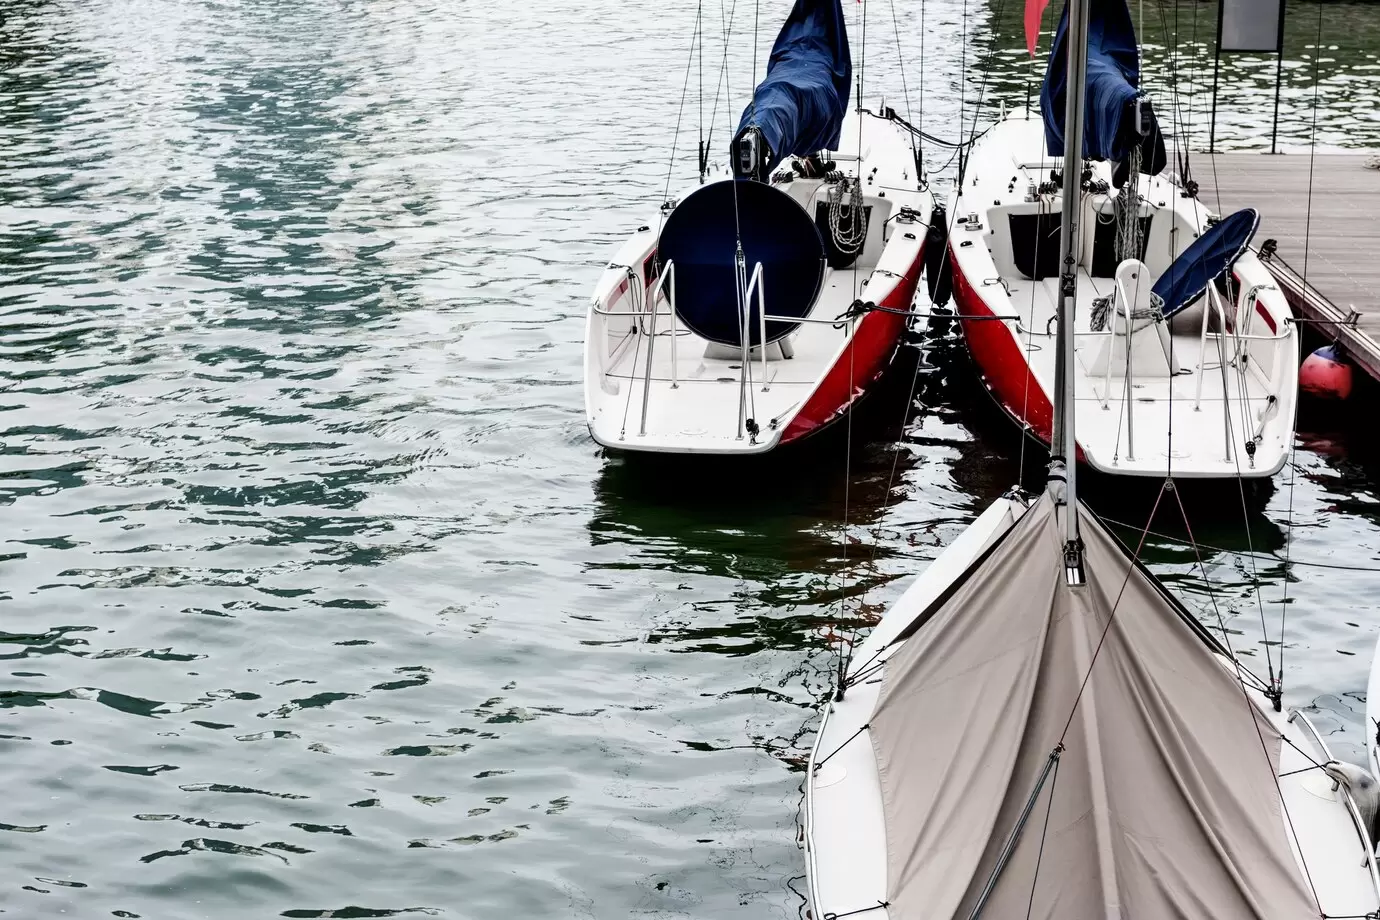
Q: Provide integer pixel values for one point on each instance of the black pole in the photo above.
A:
(1279, 73)
(1216, 68)
(1274, 125)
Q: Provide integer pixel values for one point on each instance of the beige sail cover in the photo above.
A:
(1164, 804)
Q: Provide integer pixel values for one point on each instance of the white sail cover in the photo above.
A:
(1164, 802)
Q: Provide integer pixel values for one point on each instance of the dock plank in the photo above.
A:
(1324, 212)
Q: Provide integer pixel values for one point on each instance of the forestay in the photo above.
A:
(1163, 802)
(799, 105)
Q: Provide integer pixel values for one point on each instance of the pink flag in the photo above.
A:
(1034, 11)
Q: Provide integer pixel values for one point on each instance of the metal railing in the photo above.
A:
(647, 311)
(1361, 829)
(1240, 340)
(1111, 353)
(668, 275)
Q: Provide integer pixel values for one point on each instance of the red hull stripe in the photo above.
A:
(862, 362)
(1001, 363)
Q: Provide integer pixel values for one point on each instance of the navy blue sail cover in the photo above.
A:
(1207, 257)
(1109, 131)
(799, 105)
(700, 239)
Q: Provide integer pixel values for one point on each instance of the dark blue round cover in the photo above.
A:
(1211, 254)
(701, 239)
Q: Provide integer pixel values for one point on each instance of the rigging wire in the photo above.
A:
(1307, 227)
(1264, 748)
(756, 21)
(1236, 552)
(846, 654)
(922, 62)
(1030, 338)
(685, 88)
(699, 34)
(905, 87)
(920, 179)
(721, 84)
(1276, 683)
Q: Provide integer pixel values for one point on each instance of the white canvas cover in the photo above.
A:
(1164, 803)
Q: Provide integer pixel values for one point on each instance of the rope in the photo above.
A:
(861, 910)
(938, 141)
(1130, 237)
(850, 231)
(855, 734)
(1306, 756)
(1299, 770)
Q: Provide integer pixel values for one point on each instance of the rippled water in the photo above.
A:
(316, 598)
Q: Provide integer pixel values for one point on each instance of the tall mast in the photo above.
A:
(1063, 466)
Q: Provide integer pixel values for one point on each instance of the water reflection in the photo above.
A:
(1178, 38)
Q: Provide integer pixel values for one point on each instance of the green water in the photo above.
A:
(316, 599)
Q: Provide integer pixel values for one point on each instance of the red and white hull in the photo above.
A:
(651, 384)
(1209, 393)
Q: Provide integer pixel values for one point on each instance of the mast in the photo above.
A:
(1063, 464)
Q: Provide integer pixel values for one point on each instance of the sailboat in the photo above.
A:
(1038, 728)
(762, 303)
(1185, 352)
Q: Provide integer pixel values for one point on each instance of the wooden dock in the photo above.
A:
(1335, 244)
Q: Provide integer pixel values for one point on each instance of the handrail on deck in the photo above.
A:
(746, 285)
(1111, 353)
(760, 283)
(668, 274)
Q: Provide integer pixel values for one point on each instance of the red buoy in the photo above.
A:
(1326, 374)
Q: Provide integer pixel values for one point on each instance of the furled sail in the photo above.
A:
(1119, 118)
(1163, 800)
(799, 106)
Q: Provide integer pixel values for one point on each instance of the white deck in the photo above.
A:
(702, 409)
(1126, 429)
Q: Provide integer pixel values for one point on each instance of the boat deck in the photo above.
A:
(1333, 243)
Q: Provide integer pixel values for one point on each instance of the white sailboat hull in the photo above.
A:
(845, 831)
(1228, 407)
(653, 385)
